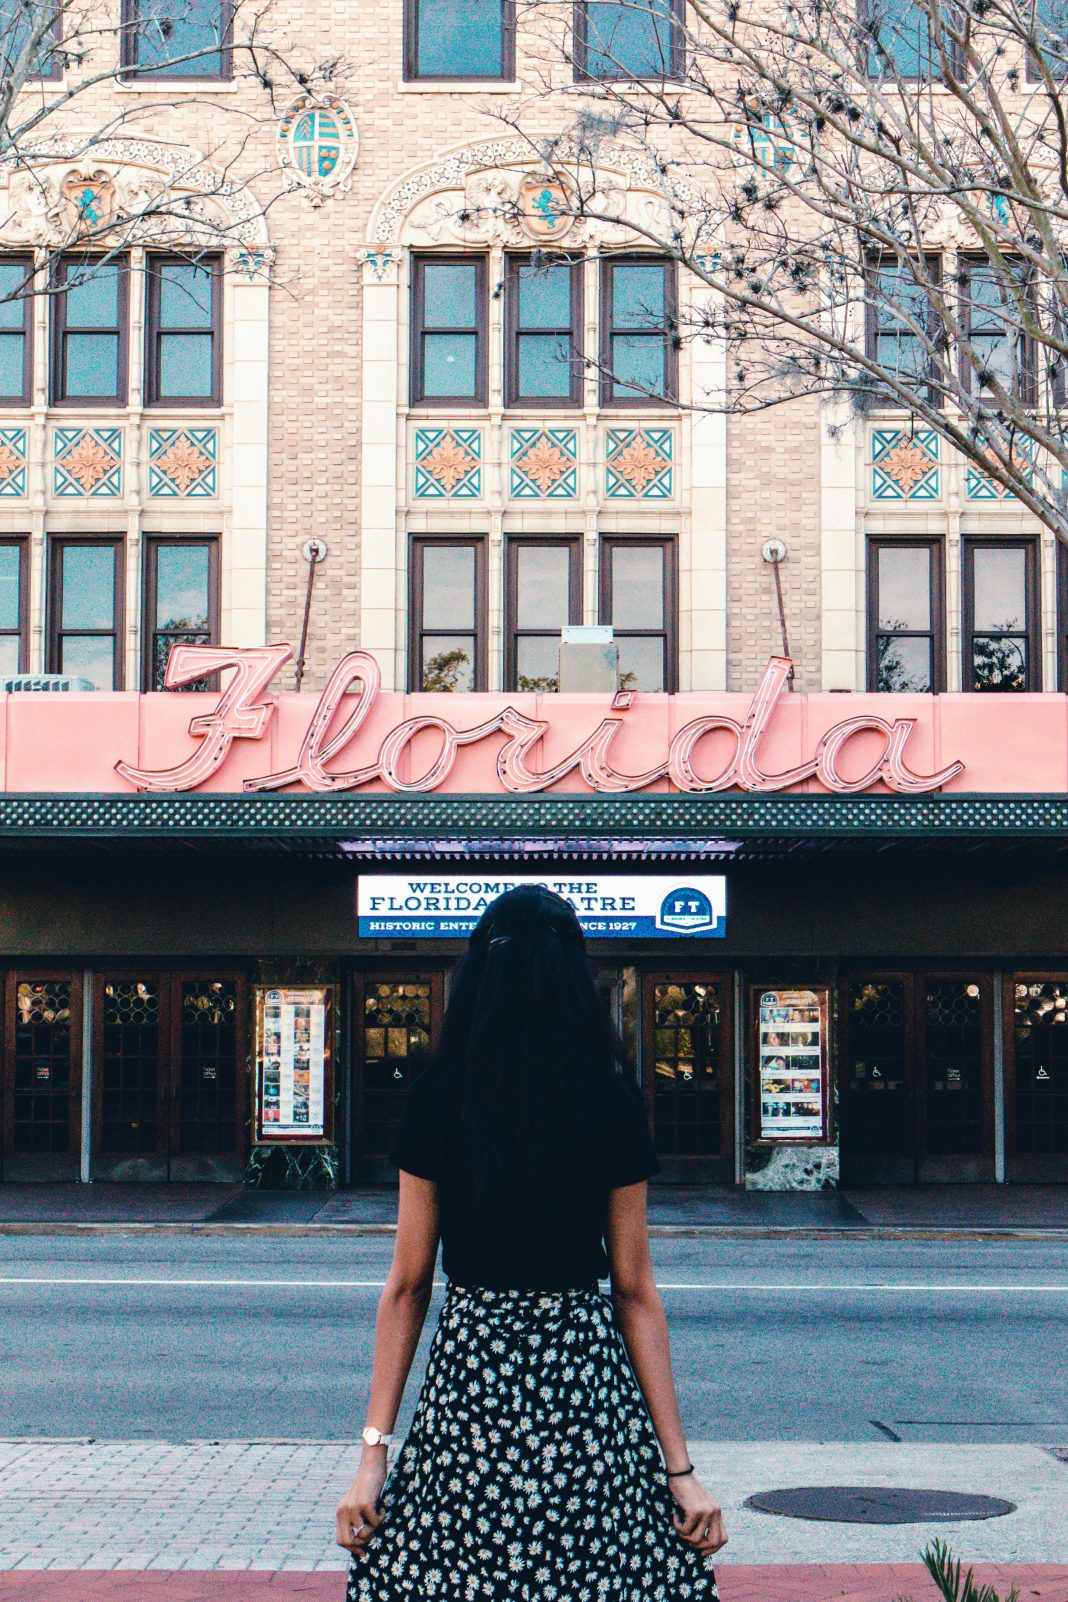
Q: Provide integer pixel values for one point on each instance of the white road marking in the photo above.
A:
(941, 1288)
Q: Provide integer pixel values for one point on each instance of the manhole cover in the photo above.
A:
(878, 1504)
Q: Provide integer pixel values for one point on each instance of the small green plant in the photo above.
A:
(955, 1585)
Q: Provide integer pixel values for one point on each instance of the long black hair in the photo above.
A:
(525, 1040)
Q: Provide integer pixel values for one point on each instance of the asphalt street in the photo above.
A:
(241, 1338)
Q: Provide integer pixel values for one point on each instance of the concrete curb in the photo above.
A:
(1054, 1233)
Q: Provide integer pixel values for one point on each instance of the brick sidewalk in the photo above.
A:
(829, 1582)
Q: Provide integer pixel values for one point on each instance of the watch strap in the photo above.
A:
(373, 1437)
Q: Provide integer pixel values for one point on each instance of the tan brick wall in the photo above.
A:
(773, 492)
(315, 341)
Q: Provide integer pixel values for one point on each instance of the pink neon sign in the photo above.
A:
(332, 735)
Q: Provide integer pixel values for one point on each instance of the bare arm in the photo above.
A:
(402, 1310)
(640, 1315)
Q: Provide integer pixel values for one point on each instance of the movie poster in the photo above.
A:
(791, 1040)
(293, 1056)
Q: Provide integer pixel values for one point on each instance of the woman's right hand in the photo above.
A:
(699, 1519)
(358, 1512)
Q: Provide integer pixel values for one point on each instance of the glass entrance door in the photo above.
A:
(877, 1114)
(956, 1043)
(1036, 1078)
(41, 1084)
(688, 1079)
(170, 1076)
(917, 1078)
(396, 1020)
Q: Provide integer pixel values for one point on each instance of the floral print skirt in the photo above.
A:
(531, 1472)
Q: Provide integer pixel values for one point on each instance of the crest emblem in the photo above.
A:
(318, 144)
(546, 208)
(88, 202)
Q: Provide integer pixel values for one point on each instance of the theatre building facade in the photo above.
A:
(830, 929)
(290, 536)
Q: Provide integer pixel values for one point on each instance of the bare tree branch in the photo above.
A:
(876, 196)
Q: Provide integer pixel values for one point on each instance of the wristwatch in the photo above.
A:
(373, 1437)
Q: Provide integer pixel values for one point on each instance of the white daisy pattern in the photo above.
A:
(531, 1470)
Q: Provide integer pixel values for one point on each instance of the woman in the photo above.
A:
(533, 1469)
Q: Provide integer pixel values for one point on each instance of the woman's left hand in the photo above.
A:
(358, 1512)
(698, 1517)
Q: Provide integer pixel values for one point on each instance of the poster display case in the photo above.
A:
(792, 1063)
(294, 1063)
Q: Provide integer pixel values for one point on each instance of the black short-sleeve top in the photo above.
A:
(512, 1239)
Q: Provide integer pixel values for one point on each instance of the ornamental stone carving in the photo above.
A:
(129, 191)
(489, 194)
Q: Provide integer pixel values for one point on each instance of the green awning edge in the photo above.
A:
(303, 818)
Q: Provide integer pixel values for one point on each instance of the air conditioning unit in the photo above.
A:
(45, 681)
(589, 658)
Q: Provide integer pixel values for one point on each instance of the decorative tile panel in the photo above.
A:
(544, 464)
(979, 486)
(87, 461)
(639, 464)
(904, 466)
(183, 462)
(12, 461)
(448, 463)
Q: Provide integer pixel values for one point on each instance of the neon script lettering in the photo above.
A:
(243, 711)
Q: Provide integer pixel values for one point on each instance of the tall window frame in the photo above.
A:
(1025, 385)
(585, 72)
(156, 331)
(420, 631)
(668, 632)
(15, 626)
(58, 629)
(610, 332)
(151, 630)
(935, 634)
(515, 331)
(514, 630)
(1030, 632)
(192, 71)
(876, 329)
(868, 17)
(19, 325)
(1032, 69)
(63, 330)
(421, 330)
(52, 70)
(411, 67)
